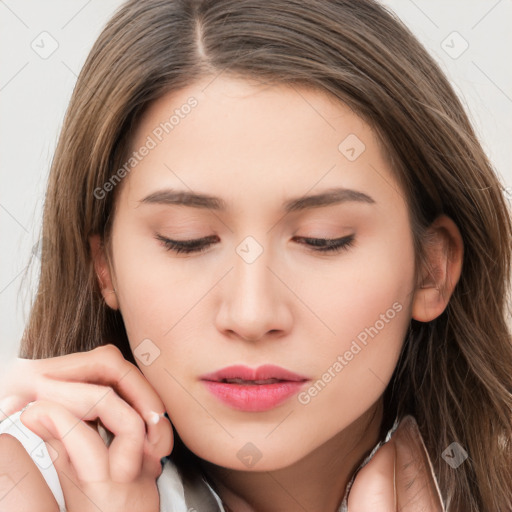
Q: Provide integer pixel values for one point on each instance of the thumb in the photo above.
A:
(416, 483)
(373, 489)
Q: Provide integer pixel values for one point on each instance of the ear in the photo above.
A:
(103, 272)
(444, 253)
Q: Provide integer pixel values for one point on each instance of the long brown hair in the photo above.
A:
(454, 374)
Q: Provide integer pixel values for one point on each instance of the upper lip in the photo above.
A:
(267, 371)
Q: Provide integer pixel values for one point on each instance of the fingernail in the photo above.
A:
(153, 432)
(154, 417)
(410, 421)
(29, 405)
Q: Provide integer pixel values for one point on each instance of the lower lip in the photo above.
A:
(254, 397)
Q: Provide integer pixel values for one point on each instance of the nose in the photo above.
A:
(255, 303)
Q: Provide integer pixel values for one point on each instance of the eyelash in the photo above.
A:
(199, 245)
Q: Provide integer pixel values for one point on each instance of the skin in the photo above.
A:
(16, 483)
(68, 393)
(256, 147)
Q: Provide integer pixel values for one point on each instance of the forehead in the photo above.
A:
(234, 137)
(269, 114)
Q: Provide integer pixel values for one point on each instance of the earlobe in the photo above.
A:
(444, 253)
(103, 271)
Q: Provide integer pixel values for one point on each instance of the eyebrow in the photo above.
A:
(195, 200)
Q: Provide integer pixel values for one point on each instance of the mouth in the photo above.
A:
(266, 374)
(249, 390)
(250, 382)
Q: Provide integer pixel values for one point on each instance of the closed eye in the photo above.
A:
(186, 246)
(199, 245)
(329, 245)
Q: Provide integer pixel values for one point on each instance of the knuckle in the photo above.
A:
(134, 423)
(128, 418)
(109, 350)
(34, 410)
(112, 357)
(131, 422)
(101, 396)
(107, 391)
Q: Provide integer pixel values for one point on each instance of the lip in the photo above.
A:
(267, 371)
(254, 397)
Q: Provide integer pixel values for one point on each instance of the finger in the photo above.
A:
(373, 489)
(90, 401)
(106, 365)
(151, 467)
(416, 485)
(58, 457)
(84, 447)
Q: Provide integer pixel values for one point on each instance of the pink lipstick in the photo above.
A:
(253, 390)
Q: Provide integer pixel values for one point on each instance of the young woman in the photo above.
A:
(281, 214)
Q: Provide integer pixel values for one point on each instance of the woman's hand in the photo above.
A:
(69, 392)
(398, 477)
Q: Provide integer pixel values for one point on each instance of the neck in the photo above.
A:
(315, 483)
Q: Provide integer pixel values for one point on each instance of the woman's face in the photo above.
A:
(259, 294)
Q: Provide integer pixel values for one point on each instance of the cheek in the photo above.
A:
(157, 298)
(363, 284)
(367, 305)
(152, 290)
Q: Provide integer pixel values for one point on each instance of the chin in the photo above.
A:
(242, 454)
(252, 461)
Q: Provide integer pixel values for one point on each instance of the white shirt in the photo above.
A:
(176, 493)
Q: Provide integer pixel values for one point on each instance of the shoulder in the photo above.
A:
(22, 487)
(20, 448)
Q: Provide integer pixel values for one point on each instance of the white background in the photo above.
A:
(34, 93)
